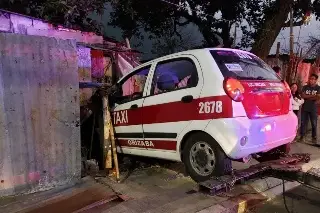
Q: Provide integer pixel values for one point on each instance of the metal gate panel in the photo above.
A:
(39, 113)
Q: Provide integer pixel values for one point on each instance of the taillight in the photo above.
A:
(288, 89)
(234, 89)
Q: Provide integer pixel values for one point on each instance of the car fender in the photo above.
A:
(196, 125)
(224, 133)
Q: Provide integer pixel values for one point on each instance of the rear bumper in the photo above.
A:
(262, 134)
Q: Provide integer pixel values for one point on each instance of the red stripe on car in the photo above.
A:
(199, 109)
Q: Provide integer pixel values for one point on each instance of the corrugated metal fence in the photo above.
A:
(39, 113)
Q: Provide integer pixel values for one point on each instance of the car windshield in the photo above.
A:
(242, 65)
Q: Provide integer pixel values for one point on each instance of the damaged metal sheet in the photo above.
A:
(39, 113)
(286, 168)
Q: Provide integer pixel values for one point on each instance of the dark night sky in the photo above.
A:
(301, 35)
(116, 33)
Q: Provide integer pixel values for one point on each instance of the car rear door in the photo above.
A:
(168, 109)
(127, 111)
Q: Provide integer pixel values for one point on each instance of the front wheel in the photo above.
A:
(204, 158)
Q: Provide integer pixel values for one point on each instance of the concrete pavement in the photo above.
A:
(155, 180)
(159, 186)
(299, 200)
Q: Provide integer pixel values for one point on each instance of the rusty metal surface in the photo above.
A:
(91, 200)
(39, 113)
(287, 166)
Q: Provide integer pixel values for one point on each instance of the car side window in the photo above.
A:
(132, 87)
(174, 75)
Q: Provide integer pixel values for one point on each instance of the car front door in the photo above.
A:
(127, 111)
(170, 104)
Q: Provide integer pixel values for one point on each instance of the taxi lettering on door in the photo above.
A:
(120, 117)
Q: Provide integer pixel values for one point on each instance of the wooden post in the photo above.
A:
(106, 133)
(278, 50)
(109, 136)
(278, 53)
(235, 35)
(318, 61)
(128, 43)
(289, 71)
(114, 150)
(291, 33)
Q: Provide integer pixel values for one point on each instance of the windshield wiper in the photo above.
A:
(261, 78)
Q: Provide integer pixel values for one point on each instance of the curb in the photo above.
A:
(266, 189)
(272, 187)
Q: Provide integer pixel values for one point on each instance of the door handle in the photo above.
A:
(187, 99)
(134, 106)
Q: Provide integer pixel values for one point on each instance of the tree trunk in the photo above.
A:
(225, 35)
(271, 28)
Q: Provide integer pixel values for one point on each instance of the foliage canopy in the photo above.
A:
(259, 20)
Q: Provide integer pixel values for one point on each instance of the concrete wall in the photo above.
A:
(19, 24)
(16, 23)
(39, 113)
(84, 69)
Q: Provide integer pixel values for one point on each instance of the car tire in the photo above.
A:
(203, 158)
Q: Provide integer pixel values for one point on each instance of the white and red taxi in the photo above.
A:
(204, 107)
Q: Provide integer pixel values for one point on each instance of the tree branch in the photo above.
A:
(295, 24)
(175, 29)
(190, 18)
(183, 23)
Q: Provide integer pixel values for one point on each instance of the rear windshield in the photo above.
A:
(242, 65)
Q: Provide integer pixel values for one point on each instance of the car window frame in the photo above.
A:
(226, 73)
(153, 80)
(127, 77)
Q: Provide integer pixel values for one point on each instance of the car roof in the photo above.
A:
(191, 52)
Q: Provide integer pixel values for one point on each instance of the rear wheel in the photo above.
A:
(204, 158)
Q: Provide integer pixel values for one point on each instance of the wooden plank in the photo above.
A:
(106, 133)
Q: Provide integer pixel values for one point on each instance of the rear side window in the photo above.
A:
(242, 65)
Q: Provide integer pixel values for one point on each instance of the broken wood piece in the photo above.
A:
(109, 131)
(114, 149)
(106, 133)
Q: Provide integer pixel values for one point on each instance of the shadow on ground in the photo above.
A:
(299, 200)
(133, 165)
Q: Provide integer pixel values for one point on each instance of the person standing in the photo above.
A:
(297, 100)
(310, 94)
